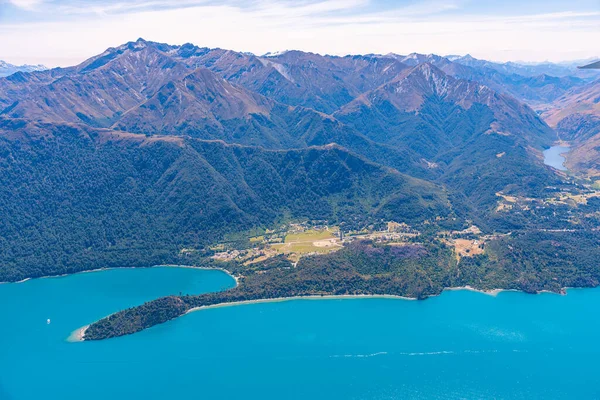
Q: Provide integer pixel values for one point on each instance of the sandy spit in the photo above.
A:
(78, 334)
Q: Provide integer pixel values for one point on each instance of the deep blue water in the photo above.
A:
(460, 345)
(553, 158)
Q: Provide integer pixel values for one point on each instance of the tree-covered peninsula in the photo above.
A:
(528, 262)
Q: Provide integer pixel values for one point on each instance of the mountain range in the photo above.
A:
(150, 147)
(9, 69)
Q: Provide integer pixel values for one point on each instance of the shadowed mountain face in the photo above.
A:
(192, 143)
(415, 92)
(459, 124)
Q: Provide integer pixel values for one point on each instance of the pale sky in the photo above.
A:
(65, 32)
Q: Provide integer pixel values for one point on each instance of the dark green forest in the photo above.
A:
(529, 262)
(81, 199)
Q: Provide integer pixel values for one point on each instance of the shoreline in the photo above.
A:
(118, 268)
(491, 292)
(78, 334)
(294, 298)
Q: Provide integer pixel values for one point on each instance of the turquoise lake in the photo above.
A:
(460, 345)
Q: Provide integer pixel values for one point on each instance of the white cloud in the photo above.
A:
(111, 7)
(26, 4)
(325, 26)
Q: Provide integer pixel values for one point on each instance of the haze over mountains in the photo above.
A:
(9, 69)
(193, 143)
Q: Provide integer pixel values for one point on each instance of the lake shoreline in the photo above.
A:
(311, 297)
(456, 330)
(492, 292)
(119, 268)
(78, 334)
(552, 154)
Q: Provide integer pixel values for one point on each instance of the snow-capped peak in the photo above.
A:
(275, 53)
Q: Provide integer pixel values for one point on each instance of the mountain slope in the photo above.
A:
(323, 83)
(74, 197)
(425, 86)
(585, 156)
(100, 89)
(199, 104)
(468, 129)
(582, 101)
(418, 120)
(206, 106)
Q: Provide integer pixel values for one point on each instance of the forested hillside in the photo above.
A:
(79, 198)
(302, 174)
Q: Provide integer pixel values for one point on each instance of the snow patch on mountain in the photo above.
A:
(9, 69)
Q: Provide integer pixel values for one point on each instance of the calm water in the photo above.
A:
(461, 345)
(553, 158)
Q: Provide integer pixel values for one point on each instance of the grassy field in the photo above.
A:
(257, 239)
(311, 241)
(309, 236)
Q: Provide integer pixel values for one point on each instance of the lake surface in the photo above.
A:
(553, 158)
(460, 345)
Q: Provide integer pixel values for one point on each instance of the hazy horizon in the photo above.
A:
(66, 32)
(522, 62)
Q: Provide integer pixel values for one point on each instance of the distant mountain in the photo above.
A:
(414, 59)
(199, 104)
(576, 118)
(584, 100)
(537, 90)
(9, 69)
(411, 113)
(100, 89)
(323, 83)
(454, 123)
(532, 69)
(425, 85)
